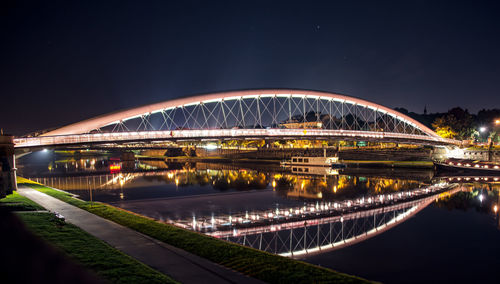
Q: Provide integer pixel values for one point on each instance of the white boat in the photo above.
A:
(311, 161)
(305, 164)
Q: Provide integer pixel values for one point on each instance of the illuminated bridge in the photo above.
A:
(249, 114)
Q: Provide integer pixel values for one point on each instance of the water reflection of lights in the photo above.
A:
(346, 241)
(309, 210)
(305, 237)
(473, 178)
(290, 185)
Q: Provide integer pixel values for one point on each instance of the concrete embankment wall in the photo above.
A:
(398, 154)
(482, 155)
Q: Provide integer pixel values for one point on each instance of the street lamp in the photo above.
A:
(482, 129)
(497, 122)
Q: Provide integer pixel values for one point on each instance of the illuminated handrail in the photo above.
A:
(216, 133)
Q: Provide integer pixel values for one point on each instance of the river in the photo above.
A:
(387, 225)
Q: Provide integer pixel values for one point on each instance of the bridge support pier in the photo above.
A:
(8, 181)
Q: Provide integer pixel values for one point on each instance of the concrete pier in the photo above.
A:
(7, 166)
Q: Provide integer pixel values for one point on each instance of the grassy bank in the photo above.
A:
(16, 202)
(265, 266)
(92, 253)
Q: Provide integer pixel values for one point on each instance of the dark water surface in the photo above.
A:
(435, 246)
(414, 229)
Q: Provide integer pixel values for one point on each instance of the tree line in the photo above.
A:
(458, 123)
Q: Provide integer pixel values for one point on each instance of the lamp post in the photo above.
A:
(481, 130)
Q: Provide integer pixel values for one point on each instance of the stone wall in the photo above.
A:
(7, 166)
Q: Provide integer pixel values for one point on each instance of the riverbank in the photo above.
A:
(70, 241)
(261, 265)
(349, 163)
(389, 164)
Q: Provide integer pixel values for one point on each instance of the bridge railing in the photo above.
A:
(219, 133)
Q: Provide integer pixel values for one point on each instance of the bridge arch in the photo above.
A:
(265, 108)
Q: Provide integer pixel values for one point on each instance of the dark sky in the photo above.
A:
(64, 61)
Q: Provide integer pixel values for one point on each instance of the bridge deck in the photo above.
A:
(176, 135)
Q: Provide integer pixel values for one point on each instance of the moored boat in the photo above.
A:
(464, 166)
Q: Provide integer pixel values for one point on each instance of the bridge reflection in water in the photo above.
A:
(324, 211)
(301, 238)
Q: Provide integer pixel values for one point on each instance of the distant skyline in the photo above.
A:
(65, 61)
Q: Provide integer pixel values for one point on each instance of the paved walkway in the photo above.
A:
(179, 264)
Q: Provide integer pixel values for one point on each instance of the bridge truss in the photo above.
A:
(284, 113)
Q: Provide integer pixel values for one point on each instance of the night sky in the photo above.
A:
(64, 61)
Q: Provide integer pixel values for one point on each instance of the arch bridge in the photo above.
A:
(249, 114)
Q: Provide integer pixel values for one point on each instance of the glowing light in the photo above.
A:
(481, 197)
(211, 147)
(115, 168)
(495, 208)
(482, 129)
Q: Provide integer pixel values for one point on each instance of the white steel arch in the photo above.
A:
(252, 103)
